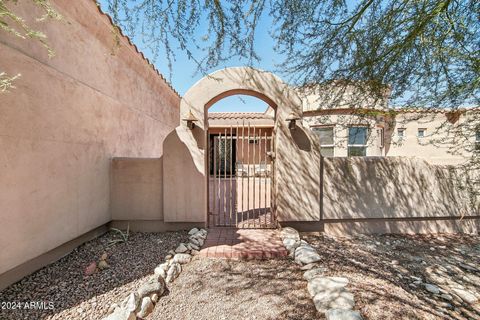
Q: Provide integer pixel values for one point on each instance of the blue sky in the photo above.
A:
(184, 73)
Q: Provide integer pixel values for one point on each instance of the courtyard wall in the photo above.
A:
(69, 115)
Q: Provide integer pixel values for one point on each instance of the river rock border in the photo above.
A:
(139, 304)
(329, 294)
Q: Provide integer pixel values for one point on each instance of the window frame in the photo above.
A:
(477, 140)
(424, 130)
(357, 145)
(323, 126)
(381, 131)
(403, 135)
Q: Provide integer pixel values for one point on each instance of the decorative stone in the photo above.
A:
(181, 248)
(194, 241)
(313, 273)
(432, 288)
(173, 272)
(193, 231)
(328, 284)
(290, 244)
(154, 297)
(290, 233)
(338, 299)
(308, 266)
(342, 314)
(160, 272)
(121, 314)
(155, 284)
(446, 297)
(131, 303)
(194, 246)
(194, 252)
(465, 295)
(182, 258)
(102, 264)
(305, 254)
(112, 307)
(145, 308)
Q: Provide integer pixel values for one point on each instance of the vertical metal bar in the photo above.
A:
(214, 194)
(237, 132)
(243, 168)
(225, 179)
(231, 173)
(219, 144)
(254, 174)
(267, 176)
(260, 177)
(248, 175)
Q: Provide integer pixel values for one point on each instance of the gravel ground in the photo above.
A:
(226, 289)
(76, 296)
(382, 270)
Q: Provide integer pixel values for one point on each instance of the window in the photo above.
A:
(381, 136)
(326, 137)
(421, 132)
(401, 132)
(357, 141)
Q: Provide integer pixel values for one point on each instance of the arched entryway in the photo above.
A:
(241, 163)
(186, 150)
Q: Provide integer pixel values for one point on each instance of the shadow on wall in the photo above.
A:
(298, 183)
(182, 177)
(356, 188)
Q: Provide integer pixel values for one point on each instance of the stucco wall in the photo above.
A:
(396, 187)
(65, 121)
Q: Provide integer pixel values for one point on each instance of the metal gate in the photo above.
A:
(241, 179)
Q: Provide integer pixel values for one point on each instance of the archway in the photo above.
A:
(240, 163)
(186, 157)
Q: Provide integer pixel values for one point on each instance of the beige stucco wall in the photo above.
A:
(341, 121)
(448, 140)
(65, 121)
(393, 187)
(296, 151)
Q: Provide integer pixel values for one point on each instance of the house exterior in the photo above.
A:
(439, 136)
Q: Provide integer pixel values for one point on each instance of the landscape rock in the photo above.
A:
(432, 288)
(465, 295)
(173, 272)
(338, 299)
(162, 269)
(290, 244)
(182, 258)
(342, 314)
(181, 248)
(313, 273)
(131, 302)
(155, 284)
(146, 308)
(305, 254)
(289, 233)
(326, 284)
(308, 266)
(154, 297)
(193, 231)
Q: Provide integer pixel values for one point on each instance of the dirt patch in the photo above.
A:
(76, 296)
(226, 289)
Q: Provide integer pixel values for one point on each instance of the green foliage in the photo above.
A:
(120, 236)
(16, 25)
(427, 51)
(6, 82)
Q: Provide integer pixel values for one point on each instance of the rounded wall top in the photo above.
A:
(240, 80)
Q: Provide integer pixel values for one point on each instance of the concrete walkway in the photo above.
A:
(243, 244)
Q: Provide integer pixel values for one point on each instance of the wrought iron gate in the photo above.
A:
(241, 179)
